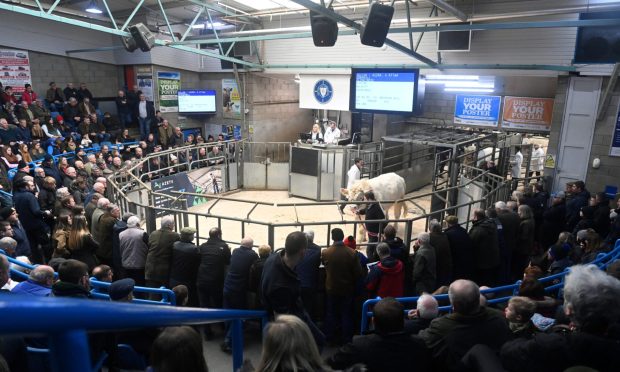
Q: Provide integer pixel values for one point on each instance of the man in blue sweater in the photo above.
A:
(39, 282)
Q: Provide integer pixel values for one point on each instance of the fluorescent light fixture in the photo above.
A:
(476, 90)
(469, 84)
(215, 25)
(93, 8)
(272, 4)
(452, 77)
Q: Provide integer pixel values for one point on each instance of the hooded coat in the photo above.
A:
(386, 278)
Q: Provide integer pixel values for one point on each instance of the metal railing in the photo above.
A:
(602, 261)
(131, 181)
(72, 318)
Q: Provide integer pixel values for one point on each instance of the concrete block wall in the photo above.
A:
(102, 79)
(275, 115)
(609, 170)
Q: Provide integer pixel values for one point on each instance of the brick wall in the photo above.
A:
(102, 79)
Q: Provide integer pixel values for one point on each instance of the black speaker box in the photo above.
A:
(129, 43)
(324, 30)
(376, 24)
(143, 37)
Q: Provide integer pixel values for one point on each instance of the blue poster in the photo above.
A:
(477, 110)
(615, 140)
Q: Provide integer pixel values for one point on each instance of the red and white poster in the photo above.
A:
(15, 69)
(528, 114)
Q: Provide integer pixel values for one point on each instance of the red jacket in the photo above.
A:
(386, 278)
(29, 97)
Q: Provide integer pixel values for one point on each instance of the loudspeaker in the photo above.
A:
(143, 37)
(454, 41)
(324, 30)
(376, 24)
(598, 44)
(129, 43)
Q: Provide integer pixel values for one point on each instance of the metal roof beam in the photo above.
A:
(476, 27)
(441, 4)
(246, 18)
(348, 22)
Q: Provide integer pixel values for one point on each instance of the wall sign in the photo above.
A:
(323, 91)
(231, 99)
(168, 84)
(144, 79)
(615, 140)
(550, 161)
(528, 114)
(328, 92)
(477, 110)
(15, 70)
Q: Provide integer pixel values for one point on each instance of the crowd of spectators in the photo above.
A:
(60, 216)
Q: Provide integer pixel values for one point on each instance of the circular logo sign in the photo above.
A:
(323, 91)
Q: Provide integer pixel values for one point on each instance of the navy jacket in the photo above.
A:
(573, 207)
(23, 245)
(308, 269)
(23, 134)
(214, 257)
(238, 277)
(462, 252)
(280, 287)
(30, 213)
(52, 171)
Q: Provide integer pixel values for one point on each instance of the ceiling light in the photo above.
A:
(451, 77)
(94, 8)
(469, 84)
(476, 90)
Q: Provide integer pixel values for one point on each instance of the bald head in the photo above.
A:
(464, 296)
(102, 180)
(43, 275)
(247, 242)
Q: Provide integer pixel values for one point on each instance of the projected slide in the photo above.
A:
(385, 91)
(196, 101)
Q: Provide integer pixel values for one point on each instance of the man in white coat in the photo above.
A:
(332, 134)
(538, 161)
(354, 174)
(516, 167)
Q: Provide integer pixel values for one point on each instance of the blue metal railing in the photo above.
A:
(99, 289)
(73, 317)
(602, 261)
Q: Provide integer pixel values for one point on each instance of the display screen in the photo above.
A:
(196, 101)
(384, 90)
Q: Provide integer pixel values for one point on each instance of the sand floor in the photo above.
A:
(327, 217)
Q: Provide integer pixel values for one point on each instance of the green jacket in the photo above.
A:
(159, 256)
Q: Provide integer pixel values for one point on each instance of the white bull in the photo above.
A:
(389, 186)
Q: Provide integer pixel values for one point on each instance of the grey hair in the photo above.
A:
(167, 222)
(133, 221)
(383, 249)
(247, 242)
(103, 202)
(511, 205)
(8, 243)
(464, 296)
(500, 206)
(62, 192)
(126, 216)
(428, 307)
(424, 238)
(309, 235)
(41, 274)
(516, 195)
(434, 226)
(525, 211)
(112, 207)
(591, 297)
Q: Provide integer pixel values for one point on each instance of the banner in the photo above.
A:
(15, 70)
(168, 84)
(533, 114)
(144, 80)
(231, 99)
(206, 180)
(328, 92)
(477, 110)
(615, 139)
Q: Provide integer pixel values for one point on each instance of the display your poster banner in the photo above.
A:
(144, 80)
(477, 110)
(529, 114)
(15, 69)
(615, 140)
(231, 99)
(328, 92)
(168, 84)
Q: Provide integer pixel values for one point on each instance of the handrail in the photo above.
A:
(602, 260)
(168, 296)
(73, 317)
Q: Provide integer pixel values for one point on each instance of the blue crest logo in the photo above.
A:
(323, 91)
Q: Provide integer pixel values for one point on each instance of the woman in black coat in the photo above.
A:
(81, 244)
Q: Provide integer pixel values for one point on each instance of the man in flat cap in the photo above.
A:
(122, 290)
